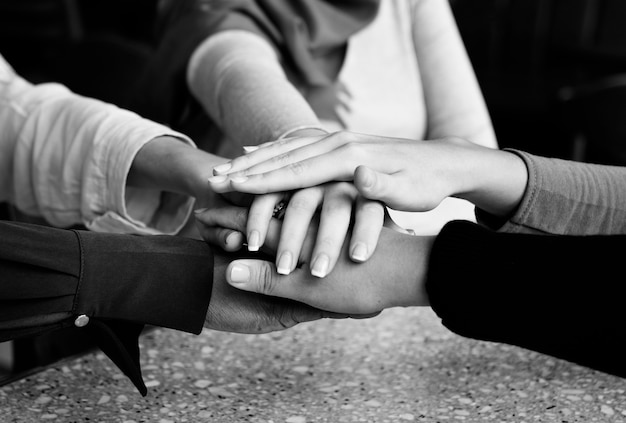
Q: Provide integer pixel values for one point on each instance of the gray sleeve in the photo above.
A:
(570, 198)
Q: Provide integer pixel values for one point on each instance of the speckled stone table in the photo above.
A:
(401, 366)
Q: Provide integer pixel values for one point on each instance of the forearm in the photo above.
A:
(50, 276)
(553, 294)
(108, 285)
(454, 101)
(167, 164)
(67, 159)
(238, 79)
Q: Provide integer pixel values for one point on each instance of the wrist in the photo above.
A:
(491, 179)
(168, 164)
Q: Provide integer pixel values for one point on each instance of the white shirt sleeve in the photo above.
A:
(66, 158)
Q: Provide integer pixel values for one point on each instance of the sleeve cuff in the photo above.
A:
(158, 280)
(557, 295)
(137, 211)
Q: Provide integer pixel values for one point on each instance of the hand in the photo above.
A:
(336, 201)
(234, 310)
(229, 239)
(404, 174)
(167, 164)
(297, 231)
(394, 276)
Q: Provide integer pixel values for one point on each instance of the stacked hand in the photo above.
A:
(403, 174)
(394, 276)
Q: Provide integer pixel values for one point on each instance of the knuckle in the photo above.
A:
(327, 243)
(337, 208)
(297, 168)
(342, 137)
(353, 150)
(281, 143)
(302, 202)
(287, 317)
(241, 217)
(341, 189)
(283, 159)
(373, 208)
(241, 162)
(283, 315)
(267, 281)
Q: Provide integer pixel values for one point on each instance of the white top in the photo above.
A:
(66, 158)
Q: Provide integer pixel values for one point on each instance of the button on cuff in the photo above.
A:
(81, 321)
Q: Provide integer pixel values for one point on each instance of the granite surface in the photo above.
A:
(401, 366)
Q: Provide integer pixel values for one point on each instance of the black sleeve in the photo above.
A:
(559, 295)
(112, 284)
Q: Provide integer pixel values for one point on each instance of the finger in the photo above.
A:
(328, 294)
(334, 223)
(262, 153)
(227, 239)
(374, 185)
(220, 183)
(369, 217)
(394, 189)
(259, 217)
(272, 240)
(223, 226)
(262, 277)
(247, 149)
(302, 174)
(302, 206)
(276, 156)
(230, 217)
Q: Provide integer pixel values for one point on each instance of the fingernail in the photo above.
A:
(239, 179)
(198, 211)
(222, 168)
(249, 148)
(217, 179)
(320, 266)
(233, 238)
(239, 273)
(359, 252)
(254, 239)
(284, 263)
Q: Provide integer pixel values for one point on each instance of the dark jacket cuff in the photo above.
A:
(158, 280)
(559, 295)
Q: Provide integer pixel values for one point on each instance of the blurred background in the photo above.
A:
(553, 73)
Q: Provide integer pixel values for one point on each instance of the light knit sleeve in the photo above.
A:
(67, 158)
(570, 198)
(238, 78)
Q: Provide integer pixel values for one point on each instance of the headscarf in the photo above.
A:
(306, 32)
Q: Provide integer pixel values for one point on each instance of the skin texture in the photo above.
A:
(235, 310)
(393, 277)
(168, 164)
(404, 174)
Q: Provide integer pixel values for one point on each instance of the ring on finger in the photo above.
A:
(279, 210)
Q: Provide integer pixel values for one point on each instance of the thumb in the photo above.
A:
(261, 276)
(372, 184)
(391, 189)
